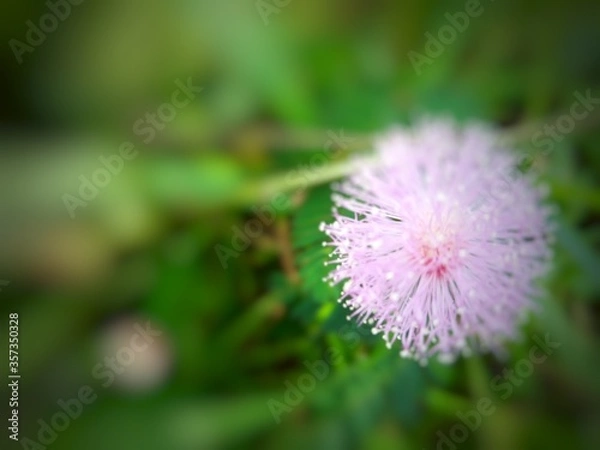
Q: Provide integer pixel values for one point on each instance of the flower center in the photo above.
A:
(436, 249)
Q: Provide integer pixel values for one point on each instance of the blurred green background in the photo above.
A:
(280, 82)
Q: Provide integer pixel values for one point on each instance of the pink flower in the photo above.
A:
(439, 241)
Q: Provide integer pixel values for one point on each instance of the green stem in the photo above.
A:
(290, 181)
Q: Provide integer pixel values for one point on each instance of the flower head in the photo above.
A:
(439, 241)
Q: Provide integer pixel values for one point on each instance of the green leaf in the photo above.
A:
(582, 253)
(307, 240)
